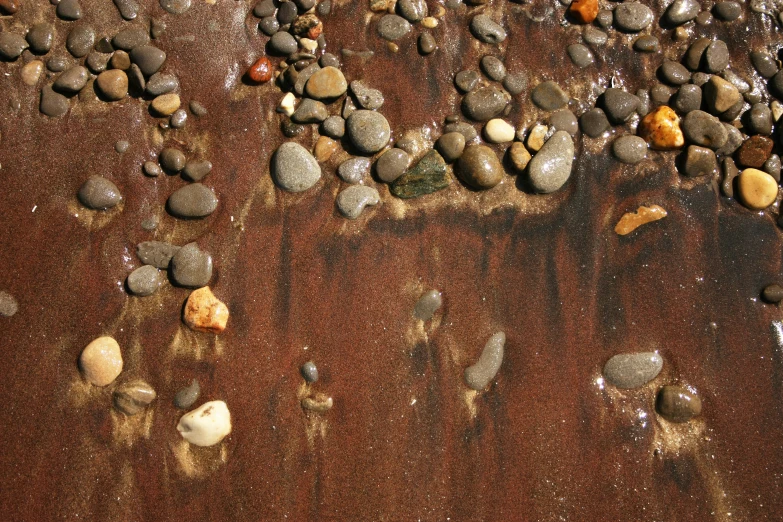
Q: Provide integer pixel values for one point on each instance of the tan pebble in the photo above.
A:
(393, 47)
(206, 425)
(681, 34)
(378, 6)
(661, 129)
(120, 60)
(32, 72)
(757, 189)
(537, 137)
(439, 11)
(308, 44)
(166, 104)
(101, 361)
(430, 22)
(204, 312)
(113, 84)
(498, 131)
(518, 155)
(643, 215)
(777, 109)
(324, 148)
(319, 404)
(132, 397)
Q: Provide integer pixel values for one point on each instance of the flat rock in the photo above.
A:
(366, 97)
(132, 398)
(127, 39)
(594, 122)
(427, 176)
(681, 11)
(310, 111)
(192, 201)
(294, 169)
(550, 168)
(632, 370)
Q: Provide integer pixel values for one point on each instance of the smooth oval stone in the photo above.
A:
(392, 27)
(40, 38)
(427, 43)
(485, 103)
(156, 253)
(286, 12)
(98, 193)
(80, 40)
(478, 376)
(594, 36)
(97, 62)
(326, 83)
(412, 10)
(391, 165)
(681, 11)
(186, 397)
(334, 127)
(269, 26)
(191, 267)
(69, 10)
(352, 201)
(429, 303)
(451, 145)
(133, 397)
(368, 131)
(207, 425)
(72, 80)
(353, 170)
(487, 30)
(703, 129)
(757, 189)
(564, 120)
(629, 149)
(632, 370)
(619, 105)
(128, 9)
(8, 304)
(594, 122)
(580, 55)
(772, 294)
(148, 58)
(763, 61)
(144, 281)
(677, 404)
(700, 161)
(178, 119)
(283, 43)
(53, 104)
(175, 6)
(632, 17)
(493, 68)
(515, 83)
(647, 44)
(101, 361)
(466, 81)
(127, 39)
(759, 119)
(309, 371)
(196, 170)
(294, 168)
(727, 11)
(264, 8)
(160, 83)
(674, 73)
(466, 129)
(550, 168)
(549, 96)
(171, 159)
(479, 167)
(716, 56)
(688, 98)
(192, 201)
(151, 169)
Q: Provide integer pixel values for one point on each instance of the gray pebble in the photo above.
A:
(463, 128)
(269, 26)
(716, 57)
(127, 39)
(348, 107)
(136, 81)
(694, 54)
(368, 131)
(619, 105)
(192, 201)
(334, 127)
(733, 142)
(151, 169)
(324, 7)
(156, 253)
(197, 109)
(69, 10)
(644, 102)
(450, 146)
(286, 12)
(594, 122)
(427, 43)
(550, 168)
(674, 73)
(412, 10)
(80, 40)
(466, 81)
(632, 17)
(171, 159)
(72, 80)
(98, 193)
(178, 119)
(309, 371)
(478, 376)
(564, 120)
(647, 44)
(191, 267)
(605, 18)
(366, 97)
(391, 165)
(729, 172)
(493, 68)
(594, 36)
(310, 111)
(704, 18)
(660, 94)
(303, 76)
(149, 224)
(175, 6)
(157, 28)
(264, 8)
(759, 119)
(8, 304)
(700, 161)
(283, 43)
(53, 104)
(40, 38)
(727, 11)
(688, 98)
(772, 166)
(700, 78)
(353, 170)
(97, 62)
(580, 55)
(353, 200)
(128, 9)
(294, 168)
(392, 27)
(144, 281)
(549, 96)
(485, 103)
(429, 303)
(329, 60)
(629, 149)
(681, 11)
(764, 63)
(122, 146)
(487, 30)
(187, 397)
(196, 170)
(703, 129)
(515, 83)
(149, 59)
(632, 370)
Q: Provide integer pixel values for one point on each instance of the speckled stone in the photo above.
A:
(196, 170)
(294, 169)
(633, 17)
(594, 122)
(12, 45)
(703, 129)
(485, 103)
(309, 371)
(487, 30)
(80, 40)
(619, 105)
(629, 149)
(368, 131)
(192, 201)
(72, 80)
(466, 80)
(427, 176)
(171, 159)
(353, 200)
(98, 193)
(334, 127)
(493, 67)
(580, 55)
(40, 37)
(187, 396)
(392, 27)
(700, 161)
(191, 267)
(144, 281)
(53, 104)
(632, 370)
(354, 170)
(129, 38)
(550, 168)
(8, 304)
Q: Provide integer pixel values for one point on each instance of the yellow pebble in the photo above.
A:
(32, 72)
(661, 129)
(757, 189)
(166, 104)
(430, 22)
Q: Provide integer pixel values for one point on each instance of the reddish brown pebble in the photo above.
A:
(661, 129)
(677, 404)
(261, 70)
(204, 312)
(324, 148)
(9, 6)
(755, 151)
(583, 11)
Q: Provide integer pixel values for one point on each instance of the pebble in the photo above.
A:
(537, 137)
(451, 145)
(149, 224)
(518, 156)
(352, 201)
(730, 172)
(727, 11)
(354, 170)
(594, 36)
(53, 104)
(113, 84)
(326, 83)
(324, 148)
(191, 267)
(8, 7)
(127, 39)
(647, 44)
(688, 98)
(759, 119)
(700, 161)
(136, 82)
(580, 55)
(261, 70)
(467, 80)
(550, 168)
(175, 6)
(69, 10)
(485, 103)
(704, 129)
(101, 361)
(499, 131)
(661, 129)
(412, 10)
(660, 94)
(368, 131)
(208, 424)
(98, 193)
(197, 109)
(716, 56)
(72, 80)
(694, 54)
(733, 142)
(629, 149)
(564, 120)
(11, 45)
(128, 9)
(80, 40)
(131, 398)
(178, 119)
(294, 168)
(467, 130)
(120, 60)
(674, 73)
(427, 43)
(97, 62)
(605, 18)
(171, 159)
(643, 215)
(161, 83)
(427, 176)
(391, 165)
(204, 312)
(57, 63)
(8, 304)
(264, 8)
(632, 370)
(487, 30)
(187, 396)
(310, 111)
(309, 371)
(681, 11)
(320, 404)
(31, 72)
(677, 404)
(366, 97)
(583, 11)
(40, 38)
(196, 170)
(392, 27)
(549, 96)
(104, 46)
(754, 151)
(291, 129)
(773, 166)
(772, 294)
(121, 146)
(632, 17)
(166, 104)
(192, 201)
(149, 59)
(329, 60)
(478, 376)
(429, 303)
(157, 254)
(619, 105)
(763, 61)
(479, 167)
(300, 80)
(270, 26)
(594, 122)
(515, 83)
(493, 68)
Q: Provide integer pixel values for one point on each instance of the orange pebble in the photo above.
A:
(661, 129)
(204, 312)
(583, 11)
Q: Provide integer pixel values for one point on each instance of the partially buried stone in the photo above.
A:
(196, 170)
(619, 105)
(53, 104)
(97, 62)
(549, 96)
(80, 40)
(487, 30)
(478, 376)
(187, 396)
(175, 6)
(121, 146)
(763, 61)
(629, 149)
(136, 82)
(580, 55)
(754, 151)
(594, 122)
(772, 294)
(550, 168)
(144, 281)
(198, 109)
(326, 83)
(131, 398)
(716, 56)
(191, 267)
(392, 27)
(264, 8)
(700, 161)
(632, 370)
(391, 165)
(643, 215)
(427, 176)
(149, 59)
(294, 169)
(450, 146)
(69, 10)
(757, 189)
(8, 304)
(429, 303)
(309, 371)
(353, 170)
(40, 38)
(166, 104)
(366, 97)
(594, 36)
(352, 201)
(207, 425)
(368, 131)
(466, 129)
(427, 43)
(204, 312)
(11, 45)
(633, 17)
(485, 103)
(467, 80)
(564, 120)
(156, 253)
(677, 404)
(703, 129)
(98, 193)
(334, 127)
(192, 201)
(310, 111)
(171, 159)
(101, 361)
(127, 39)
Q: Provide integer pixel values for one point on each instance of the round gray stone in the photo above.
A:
(515, 83)
(269, 26)
(80, 40)
(69, 10)
(127, 39)
(647, 44)
(619, 105)
(53, 104)
(450, 146)
(368, 131)
(391, 165)
(716, 56)
(688, 98)
(366, 97)
(175, 6)
(72, 80)
(293, 167)
(467, 80)
(392, 27)
(156, 253)
(310, 111)
(549, 96)
(264, 8)
(594, 122)
(309, 371)
(487, 30)
(727, 11)
(485, 103)
(334, 127)
(161, 83)
(493, 68)
(629, 149)
(764, 63)
(580, 55)
(674, 73)
(191, 267)
(632, 17)
(144, 281)
(187, 396)
(594, 36)
(632, 370)
(564, 120)
(353, 170)
(171, 159)
(550, 168)
(148, 58)
(192, 201)
(98, 193)
(412, 10)
(8, 304)
(283, 43)
(196, 170)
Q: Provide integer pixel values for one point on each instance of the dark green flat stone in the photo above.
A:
(428, 176)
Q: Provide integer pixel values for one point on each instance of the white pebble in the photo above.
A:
(498, 131)
(537, 137)
(777, 109)
(308, 44)
(478, 376)
(287, 104)
(206, 425)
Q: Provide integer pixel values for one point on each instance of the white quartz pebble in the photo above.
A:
(206, 425)
(498, 131)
